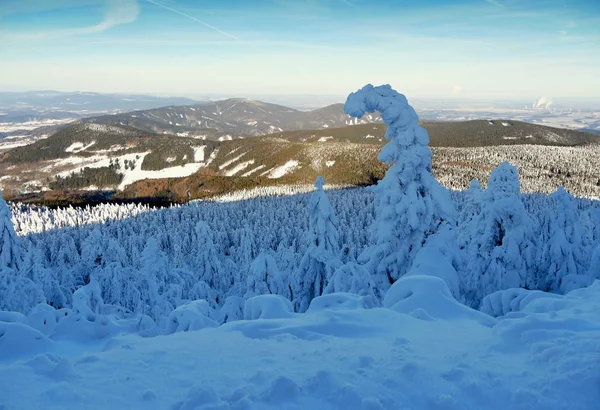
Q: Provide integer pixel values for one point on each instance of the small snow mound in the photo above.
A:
(574, 281)
(432, 295)
(330, 164)
(18, 339)
(431, 262)
(503, 302)
(232, 310)
(194, 315)
(43, 318)
(201, 398)
(282, 389)
(53, 367)
(268, 307)
(12, 317)
(341, 301)
(325, 139)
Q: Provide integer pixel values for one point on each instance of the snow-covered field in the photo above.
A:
(31, 125)
(335, 356)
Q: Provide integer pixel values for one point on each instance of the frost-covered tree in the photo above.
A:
(207, 266)
(10, 249)
(17, 292)
(320, 260)
(410, 204)
(501, 252)
(264, 278)
(563, 254)
(471, 206)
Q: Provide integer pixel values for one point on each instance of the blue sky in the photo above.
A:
(494, 49)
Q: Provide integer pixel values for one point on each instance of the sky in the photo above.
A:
(487, 49)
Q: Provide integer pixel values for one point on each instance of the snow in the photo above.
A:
(225, 138)
(31, 125)
(199, 153)
(231, 161)
(78, 147)
(342, 358)
(253, 170)
(369, 136)
(325, 139)
(137, 174)
(239, 167)
(329, 164)
(505, 124)
(284, 169)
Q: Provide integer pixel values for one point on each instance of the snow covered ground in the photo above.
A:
(338, 355)
(284, 169)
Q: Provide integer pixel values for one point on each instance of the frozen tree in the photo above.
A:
(320, 260)
(501, 252)
(17, 292)
(471, 205)
(206, 261)
(264, 278)
(10, 250)
(410, 204)
(353, 278)
(563, 254)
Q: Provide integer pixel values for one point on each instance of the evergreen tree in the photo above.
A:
(563, 254)
(410, 204)
(10, 250)
(207, 264)
(501, 252)
(320, 259)
(264, 278)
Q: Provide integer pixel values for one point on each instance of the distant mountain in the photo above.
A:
(91, 156)
(21, 107)
(232, 118)
(475, 133)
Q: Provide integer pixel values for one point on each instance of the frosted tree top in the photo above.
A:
(393, 106)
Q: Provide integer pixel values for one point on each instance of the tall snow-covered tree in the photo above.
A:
(501, 252)
(410, 204)
(320, 259)
(564, 252)
(10, 250)
(207, 264)
(17, 292)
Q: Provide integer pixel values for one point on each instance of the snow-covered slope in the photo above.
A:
(329, 358)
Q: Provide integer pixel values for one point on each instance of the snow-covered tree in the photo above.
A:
(471, 205)
(410, 204)
(264, 278)
(563, 254)
(207, 266)
(320, 260)
(10, 249)
(501, 252)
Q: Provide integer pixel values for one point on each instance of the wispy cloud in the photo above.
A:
(197, 20)
(495, 3)
(118, 12)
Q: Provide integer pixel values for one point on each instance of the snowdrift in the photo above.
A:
(343, 353)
